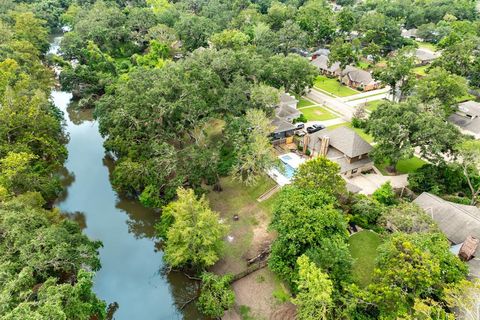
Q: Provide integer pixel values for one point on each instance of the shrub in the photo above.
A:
(301, 118)
(385, 194)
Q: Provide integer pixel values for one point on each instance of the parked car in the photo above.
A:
(299, 125)
(315, 128)
(300, 133)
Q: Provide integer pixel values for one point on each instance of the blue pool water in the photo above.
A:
(289, 170)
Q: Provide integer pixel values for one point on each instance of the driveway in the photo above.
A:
(372, 181)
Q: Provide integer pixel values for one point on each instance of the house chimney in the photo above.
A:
(325, 143)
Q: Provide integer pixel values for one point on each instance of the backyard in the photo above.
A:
(363, 247)
(405, 166)
(246, 238)
(333, 87)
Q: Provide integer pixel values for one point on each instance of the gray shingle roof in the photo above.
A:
(425, 55)
(281, 125)
(358, 75)
(347, 141)
(470, 108)
(322, 63)
(455, 220)
(466, 123)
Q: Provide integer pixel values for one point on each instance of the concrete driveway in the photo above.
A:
(372, 181)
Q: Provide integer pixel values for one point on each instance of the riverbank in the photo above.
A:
(132, 264)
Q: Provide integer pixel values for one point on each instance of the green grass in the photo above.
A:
(466, 97)
(333, 87)
(317, 114)
(363, 247)
(421, 70)
(363, 65)
(302, 103)
(359, 131)
(427, 45)
(403, 166)
(373, 105)
(236, 198)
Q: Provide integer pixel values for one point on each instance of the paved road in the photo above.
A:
(335, 104)
(366, 94)
(354, 103)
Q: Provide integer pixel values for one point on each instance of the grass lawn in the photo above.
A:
(364, 65)
(363, 247)
(302, 103)
(236, 198)
(359, 131)
(317, 114)
(373, 105)
(403, 166)
(334, 87)
(421, 70)
(466, 97)
(427, 45)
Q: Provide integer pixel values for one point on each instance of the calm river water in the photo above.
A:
(131, 272)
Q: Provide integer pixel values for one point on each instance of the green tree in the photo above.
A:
(314, 298)
(195, 236)
(398, 128)
(385, 194)
(398, 73)
(344, 52)
(231, 39)
(469, 160)
(317, 19)
(442, 86)
(255, 154)
(409, 218)
(303, 219)
(293, 72)
(409, 267)
(290, 36)
(320, 173)
(194, 31)
(216, 295)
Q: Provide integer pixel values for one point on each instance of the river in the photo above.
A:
(131, 273)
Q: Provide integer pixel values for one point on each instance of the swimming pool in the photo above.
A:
(289, 170)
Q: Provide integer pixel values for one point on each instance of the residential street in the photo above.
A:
(336, 104)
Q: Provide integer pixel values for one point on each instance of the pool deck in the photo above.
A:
(291, 159)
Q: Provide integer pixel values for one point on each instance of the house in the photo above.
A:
(358, 79)
(411, 34)
(285, 113)
(343, 146)
(424, 56)
(467, 118)
(321, 62)
(319, 52)
(460, 223)
(350, 76)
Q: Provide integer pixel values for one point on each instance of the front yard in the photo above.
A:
(403, 166)
(373, 105)
(363, 248)
(317, 113)
(334, 87)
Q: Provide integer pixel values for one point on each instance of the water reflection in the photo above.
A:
(131, 260)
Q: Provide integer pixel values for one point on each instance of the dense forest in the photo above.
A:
(184, 92)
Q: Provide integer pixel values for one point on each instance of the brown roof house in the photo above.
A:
(285, 113)
(345, 147)
(467, 118)
(358, 79)
(460, 223)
